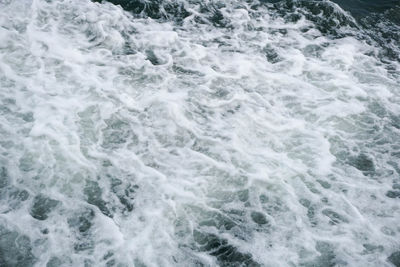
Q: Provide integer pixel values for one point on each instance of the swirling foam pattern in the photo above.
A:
(190, 133)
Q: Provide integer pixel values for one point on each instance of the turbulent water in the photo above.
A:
(199, 133)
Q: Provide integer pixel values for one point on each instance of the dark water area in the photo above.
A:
(362, 8)
(358, 8)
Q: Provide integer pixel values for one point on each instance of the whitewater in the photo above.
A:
(198, 133)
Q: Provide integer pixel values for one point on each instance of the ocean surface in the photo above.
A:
(199, 133)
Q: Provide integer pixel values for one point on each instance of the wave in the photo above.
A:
(198, 133)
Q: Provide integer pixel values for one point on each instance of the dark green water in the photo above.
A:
(362, 8)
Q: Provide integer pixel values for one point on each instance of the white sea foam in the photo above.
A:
(152, 142)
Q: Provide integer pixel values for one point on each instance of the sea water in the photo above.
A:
(199, 133)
